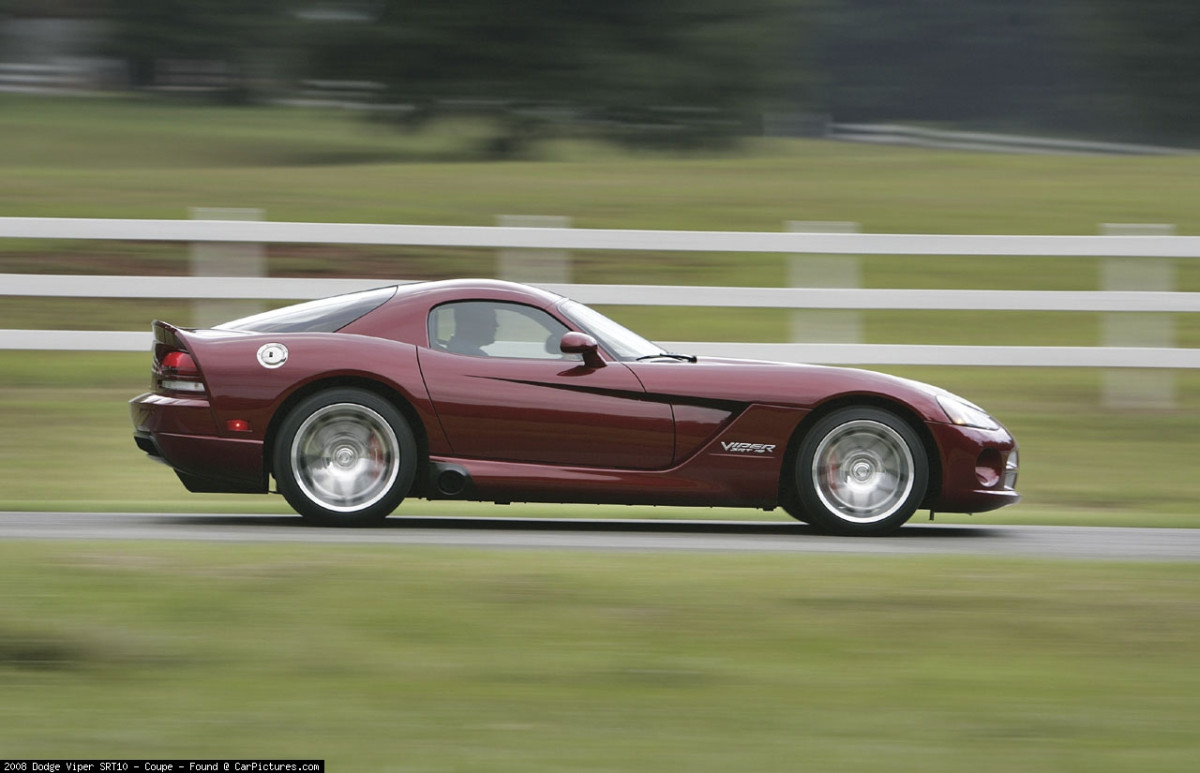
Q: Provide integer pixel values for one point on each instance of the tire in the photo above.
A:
(345, 457)
(860, 471)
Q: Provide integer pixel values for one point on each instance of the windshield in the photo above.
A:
(624, 344)
(324, 316)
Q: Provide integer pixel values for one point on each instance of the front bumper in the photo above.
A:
(979, 470)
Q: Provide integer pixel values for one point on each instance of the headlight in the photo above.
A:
(965, 414)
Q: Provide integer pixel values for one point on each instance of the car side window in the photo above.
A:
(496, 329)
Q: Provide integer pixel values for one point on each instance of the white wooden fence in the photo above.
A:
(963, 246)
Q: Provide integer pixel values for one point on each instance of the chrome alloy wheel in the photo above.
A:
(863, 471)
(345, 457)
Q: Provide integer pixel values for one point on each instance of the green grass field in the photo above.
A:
(382, 658)
(414, 659)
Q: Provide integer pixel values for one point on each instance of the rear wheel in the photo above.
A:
(345, 457)
(860, 471)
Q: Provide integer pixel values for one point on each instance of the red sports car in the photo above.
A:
(493, 391)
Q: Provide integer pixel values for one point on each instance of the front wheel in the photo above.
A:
(860, 471)
(345, 457)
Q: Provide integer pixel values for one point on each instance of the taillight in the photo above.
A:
(180, 362)
(178, 373)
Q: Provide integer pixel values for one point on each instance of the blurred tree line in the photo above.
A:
(678, 72)
(1119, 68)
(668, 71)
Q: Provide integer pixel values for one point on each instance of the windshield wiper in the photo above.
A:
(669, 356)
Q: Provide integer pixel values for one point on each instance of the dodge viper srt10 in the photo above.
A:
(493, 391)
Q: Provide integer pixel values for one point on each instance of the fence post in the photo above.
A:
(534, 265)
(1128, 387)
(831, 326)
(232, 259)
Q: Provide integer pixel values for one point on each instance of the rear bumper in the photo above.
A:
(181, 433)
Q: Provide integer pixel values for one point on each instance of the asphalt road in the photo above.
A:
(635, 535)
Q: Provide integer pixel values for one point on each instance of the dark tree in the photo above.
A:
(673, 70)
(235, 34)
(1151, 53)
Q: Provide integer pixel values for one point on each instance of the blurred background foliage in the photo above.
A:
(675, 73)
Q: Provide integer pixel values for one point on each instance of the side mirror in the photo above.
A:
(582, 343)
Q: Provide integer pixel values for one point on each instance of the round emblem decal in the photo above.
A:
(272, 355)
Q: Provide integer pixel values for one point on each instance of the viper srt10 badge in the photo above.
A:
(748, 448)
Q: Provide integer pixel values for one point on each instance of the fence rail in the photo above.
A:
(282, 288)
(268, 232)
(209, 231)
(831, 354)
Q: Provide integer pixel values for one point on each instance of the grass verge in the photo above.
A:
(379, 658)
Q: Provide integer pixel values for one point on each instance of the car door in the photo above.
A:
(503, 391)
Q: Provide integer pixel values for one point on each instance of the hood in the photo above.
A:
(778, 383)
